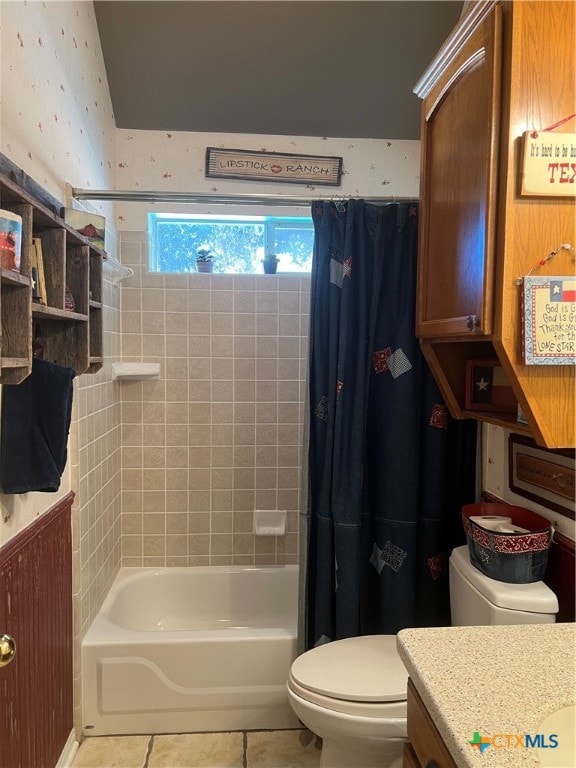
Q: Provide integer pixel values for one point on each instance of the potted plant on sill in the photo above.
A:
(270, 262)
(204, 260)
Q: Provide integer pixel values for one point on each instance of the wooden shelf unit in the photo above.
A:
(71, 263)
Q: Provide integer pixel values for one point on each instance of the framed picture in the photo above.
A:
(10, 240)
(272, 166)
(547, 164)
(487, 388)
(91, 225)
(541, 474)
(549, 320)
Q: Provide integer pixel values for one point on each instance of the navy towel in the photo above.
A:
(36, 417)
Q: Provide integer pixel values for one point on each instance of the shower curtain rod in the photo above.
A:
(134, 196)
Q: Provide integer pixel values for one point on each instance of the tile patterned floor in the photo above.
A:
(238, 749)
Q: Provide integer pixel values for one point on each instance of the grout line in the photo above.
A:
(244, 749)
(149, 752)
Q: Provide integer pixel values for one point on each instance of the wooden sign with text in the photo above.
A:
(545, 476)
(272, 166)
(549, 164)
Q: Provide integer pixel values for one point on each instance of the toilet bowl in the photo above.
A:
(352, 693)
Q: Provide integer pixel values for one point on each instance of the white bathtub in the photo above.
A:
(179, 650)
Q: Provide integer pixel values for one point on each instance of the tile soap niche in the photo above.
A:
(269, 522)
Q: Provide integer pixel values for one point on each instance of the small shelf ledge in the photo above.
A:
(499, 420)
(55, 313)
(9, 277)
(14, 362)
(135, 371)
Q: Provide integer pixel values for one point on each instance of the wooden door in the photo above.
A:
(460, 129)
(36, 610)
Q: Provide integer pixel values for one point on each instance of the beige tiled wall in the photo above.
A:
(219, 433)
(95, 455)
(98, 479)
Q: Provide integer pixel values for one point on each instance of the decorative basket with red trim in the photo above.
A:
(516, 558)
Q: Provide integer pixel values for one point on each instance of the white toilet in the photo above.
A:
(352, 693)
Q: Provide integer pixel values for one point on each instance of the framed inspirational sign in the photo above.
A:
(543, 475)
(549, 320)
(549, 164)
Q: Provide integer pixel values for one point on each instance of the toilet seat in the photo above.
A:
(382, 710)
(359, 675)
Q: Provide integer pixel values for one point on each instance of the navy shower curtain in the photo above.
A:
(388, 468)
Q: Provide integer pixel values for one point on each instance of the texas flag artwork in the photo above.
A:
(549, 320)
(563, 290)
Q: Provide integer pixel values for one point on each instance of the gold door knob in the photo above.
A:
(7, 649)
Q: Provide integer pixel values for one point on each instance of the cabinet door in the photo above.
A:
(427, 744)
(409, 759)
(460, 125)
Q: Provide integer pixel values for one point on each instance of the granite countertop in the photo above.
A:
(494, 680)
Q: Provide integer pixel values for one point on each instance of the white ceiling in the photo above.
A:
(308, 68)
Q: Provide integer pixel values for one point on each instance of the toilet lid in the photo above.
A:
(357, 669)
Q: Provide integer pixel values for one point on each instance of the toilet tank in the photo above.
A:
(476, 599)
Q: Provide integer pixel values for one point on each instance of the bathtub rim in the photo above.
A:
(104, 631)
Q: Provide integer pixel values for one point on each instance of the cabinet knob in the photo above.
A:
(432, 764)
(472, 322)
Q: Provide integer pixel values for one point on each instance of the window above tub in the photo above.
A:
(237, 244)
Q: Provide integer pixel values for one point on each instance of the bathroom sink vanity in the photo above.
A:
(487, 683)
(426, 748)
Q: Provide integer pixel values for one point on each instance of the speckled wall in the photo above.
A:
(56, 118)
(156, 160)
(57, 125)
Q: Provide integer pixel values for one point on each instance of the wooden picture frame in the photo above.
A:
(547, 164)
(544, 475)
(272, 166)
(92, 226)
(487, 388)
(548, 319)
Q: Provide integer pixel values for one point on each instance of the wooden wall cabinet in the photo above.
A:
(460, 154)
(71, 338)
(503, 71)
